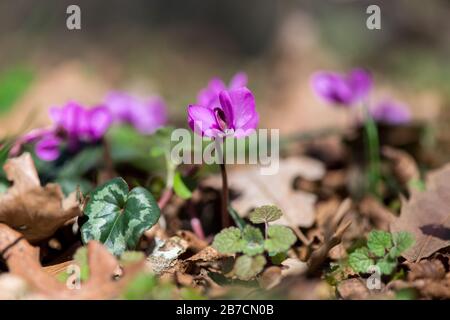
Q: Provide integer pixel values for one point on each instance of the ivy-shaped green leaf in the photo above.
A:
(379, 242)
(228, 240)
(117, 217)
(280, 239)
(387, 265)
(402, 241)
(265, 214)
(253, 241)
(360, 261)
(247, 267)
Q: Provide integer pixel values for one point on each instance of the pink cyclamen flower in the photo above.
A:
(235, 115)
(209, 96)
(391, 112)
(73, 125)
(342, 89)
(145, 115)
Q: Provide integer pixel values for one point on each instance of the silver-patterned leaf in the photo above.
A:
(118, 218)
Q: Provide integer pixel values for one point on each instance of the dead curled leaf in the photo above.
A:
(34, 210)
(22, 260)
(256, 190)
(353, 289)
(426, 215)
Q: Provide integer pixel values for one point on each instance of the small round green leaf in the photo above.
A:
(360, 261)
(265, 214)
(280, 239)
(387, 265)
(246, 267)
(379, 242)
(228, 241)
(402, 241)
(253, 241)
(118, 218)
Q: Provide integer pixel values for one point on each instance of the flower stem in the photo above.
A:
(225, 197)
(373, 152)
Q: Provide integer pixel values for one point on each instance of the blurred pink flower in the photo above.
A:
(145, 115)
(340, 89)
(391, 112)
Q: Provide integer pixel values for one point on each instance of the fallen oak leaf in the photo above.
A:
(34, 210)
(426, 216)
(22, 260)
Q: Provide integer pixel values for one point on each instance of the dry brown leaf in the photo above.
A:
(256, 190)
(34, 210)
(193, 241)
(353, 289)
(426, 215)
(164, 257)
(379, 215)
(426, 269)
(22, 260)
(433, 289)
(207, 254)
(404, 166)
(270, 277)
(12, 287)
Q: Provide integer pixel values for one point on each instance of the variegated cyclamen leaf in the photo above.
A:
(117, 217)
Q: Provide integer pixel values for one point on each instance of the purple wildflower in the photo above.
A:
(342, 89)
(73, 125)
(48, 147)
(391, 112)
(209, 96)
(145, 115)
(235, 115)
(80, 124)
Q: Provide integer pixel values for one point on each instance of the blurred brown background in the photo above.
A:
(173, 47)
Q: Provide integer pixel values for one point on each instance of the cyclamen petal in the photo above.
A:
(149, 116)
(242, 108)
(99, 119)
(239, 80)
(391, 112)
(209, 96)
(361, 83)
(47, 148)
(203, 121)
(146, 116)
